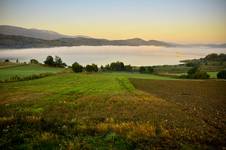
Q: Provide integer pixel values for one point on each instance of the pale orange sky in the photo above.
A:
(184, 21)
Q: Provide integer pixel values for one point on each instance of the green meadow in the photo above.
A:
(24, 70)
(114, 110)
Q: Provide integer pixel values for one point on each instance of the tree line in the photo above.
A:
(194, 73)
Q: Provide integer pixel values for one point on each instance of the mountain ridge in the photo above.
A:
(18, 37)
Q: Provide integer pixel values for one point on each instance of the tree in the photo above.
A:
(221, 74)
(7, 60)
(117, 66)
(107, 67)
(76, 67)
(101, 68)
(91, 68)
(142, 69)
(49, 61)
(193, 70)
(196, 73)
(34, 61)
(150, 69)
(128, 68)
(95, 67)
(199, 75)
(58, 62)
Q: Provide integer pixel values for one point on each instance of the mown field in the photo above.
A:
(111, 111)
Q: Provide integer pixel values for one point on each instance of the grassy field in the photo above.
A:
(213, 75)
(25, 70)
(110, 111)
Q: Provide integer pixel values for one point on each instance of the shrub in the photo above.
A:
(76, 67)
(34, 61)
(199, 75)
(7, 60)
(221, 74)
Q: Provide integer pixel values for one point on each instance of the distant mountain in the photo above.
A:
(17, 37)
(33, 33)
(14, 41)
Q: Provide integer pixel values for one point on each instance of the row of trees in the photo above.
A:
(114, 66)
(117, 66)
(57, 62)
(76, 67)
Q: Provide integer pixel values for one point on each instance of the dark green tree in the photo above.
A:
(89, 68)
(117, 66)
(76, 67)
(221, 74)
(193, 70)
(150, 69)
(58, 62)
(101, 68)
(107, 67)
(49, 61)
(95, 67)
(142, 69)
(128, 68)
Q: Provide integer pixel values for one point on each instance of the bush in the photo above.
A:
(76, 67)
(199, 75)
(7, 60)
(221, 74)
(34, 61)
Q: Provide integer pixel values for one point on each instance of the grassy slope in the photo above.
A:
(25, 70)
(99, 110)
(88, 99)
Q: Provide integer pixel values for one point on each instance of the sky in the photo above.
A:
(184, 21)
